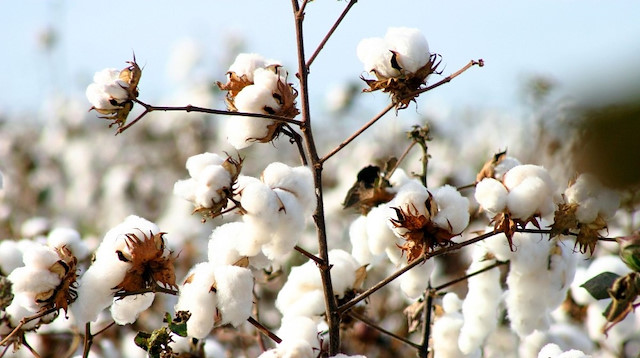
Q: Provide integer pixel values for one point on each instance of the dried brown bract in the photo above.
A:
(420, 233)
(65, 293)
(149, 263)
(131, 76)
(565, 223)
(503, 222)
(489, 168)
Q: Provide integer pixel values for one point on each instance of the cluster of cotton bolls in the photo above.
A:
(256, 85)
(96, 286)
(108, 91)
(213, 294)
(524, 191)
(211, 180)
(374, 236)
(593, 200)
(402, 50)
(274, 212)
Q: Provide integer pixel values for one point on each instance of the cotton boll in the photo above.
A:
(376, 56)
(186, 189)
(254, 99)
(197, 297)
(197, 163)
(126, 310)
(289, 228)
(246, 63)
(587, 211)
(298, 180)
(227, 241)
(70, 238)
(561, 268)
(453, 209)
(10, 256)
(411, 46)
(526, 198)
(290, 349)
(33, 280)
(379, 232)
(343, 271)
(504, 166)
(415, 281)
(302, 328)
(235, 293)
(446, 328)
(242, 132)
(491, 195)
(550, 350)
(210, 181)
(480, 306)
(359, 242)
(41, 257)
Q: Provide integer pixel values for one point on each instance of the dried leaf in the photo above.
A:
(598, 286)
(564, 220)
(623, 293)
(589, 235)
(65, 293)
(361, 276)
(369, 190)
(489, 168)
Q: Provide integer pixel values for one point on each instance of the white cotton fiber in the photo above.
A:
(491, 195)
(359, 242)
(246, 63)
(302, 328)
(525, 198)
(411, 47)
(127, 309)
(379, 232)
(10, 256)
(197, 297)
(235, 293)
(41, 257)
(70, 238)
(453, 209)
(32, 280)
(415, 281)
(343, 271)
(446, 328)
(297, 180)
(592, 198)
(376, 57)
(254, 99)
(223, 247)
(196, 163)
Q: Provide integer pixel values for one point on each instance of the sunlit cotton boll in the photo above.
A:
(453, 209)
(491, 195)
(196, 163)
(126, 310)
(247, 63)
(531, 191)
(107, 88)
(592, 198)
(290, 349)
(552, 350)
(70, 238)
(235, 293)
(197, 297)
(409, 45)
(446, 329)
(295, 328)
(297, 180)
(10, 256)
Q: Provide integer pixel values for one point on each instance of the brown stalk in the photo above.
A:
(24, 321)
(264, 330)
(373, 325)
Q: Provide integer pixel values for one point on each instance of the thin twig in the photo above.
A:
(411, 265)
(399, 161)
(264, 329)
(189, 108)
(105, 328)
(33, 351)
(465, 277)
(358, 132)
(309, 255)
(26, 320)
(153, 289)
(331, 303)
(331, 31)
(88, 340)
(256, 313)
(391, 105)
(426, 328)
(468, 186)
(297, 139)
(371, 324)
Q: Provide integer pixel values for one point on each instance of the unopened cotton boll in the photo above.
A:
(126, 310)
(235, 293)
(453, 209)
(491, 195)
(197, 297)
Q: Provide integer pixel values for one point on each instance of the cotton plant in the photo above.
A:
(257, 85)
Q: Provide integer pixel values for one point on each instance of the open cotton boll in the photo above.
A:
(197, 297)
(235, 293)
(491, 195)
(376, 56)
(246, 63)
(261, 202)
(302, 328)
(10, 256)
(343, 271)
(359, 241)
(552, 350)
(32, 280)
(211, 180)
(243, 131)
(453, 209)
(592, 198)
(411, 47)
(446, 328)
(269, 77)
(290, 349)
(254, 99)
(290, 226)
(415, 281)
(196, 163)
(70, 238)
(527, 197)
(41, 257)
(504, 166)
(297, 180)
(114, 239)
(480, 306)
(186, 189)
(126, 310)
(227, 241)
(379, 229)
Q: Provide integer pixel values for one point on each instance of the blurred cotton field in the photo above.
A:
(214, 214)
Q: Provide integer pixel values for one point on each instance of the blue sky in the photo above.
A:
(583, 44)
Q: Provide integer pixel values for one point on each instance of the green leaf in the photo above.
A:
(598, 286)
(179, 324)
(630, 255)
(142, 340)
